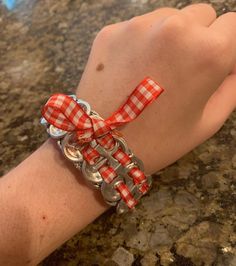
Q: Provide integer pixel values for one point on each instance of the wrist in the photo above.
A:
(96, 149)
(105, 102)
(55, 204)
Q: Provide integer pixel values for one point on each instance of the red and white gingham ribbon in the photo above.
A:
(65, 113)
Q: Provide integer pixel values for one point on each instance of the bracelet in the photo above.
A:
(97, 149)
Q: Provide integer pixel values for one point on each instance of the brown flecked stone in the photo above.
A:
(188, 217)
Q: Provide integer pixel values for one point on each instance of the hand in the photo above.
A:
(190, 53)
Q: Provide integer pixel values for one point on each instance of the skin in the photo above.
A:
(180, 50)
(191, 54)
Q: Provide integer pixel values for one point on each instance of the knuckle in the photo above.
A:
(104, 34)
(222, 44)
(133, 24)
(210, 9)
(204, 7)
(166, 10)
(230, 15)
(105, 31)
(215, 51)
(173, 27)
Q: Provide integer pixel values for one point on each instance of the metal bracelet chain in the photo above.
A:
(72, 151)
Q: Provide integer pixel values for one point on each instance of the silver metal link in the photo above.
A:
(91, 174)
(72, 151)
(122, 207)
(43, 121)
(55, 132)
(109, 192)
(83, 104)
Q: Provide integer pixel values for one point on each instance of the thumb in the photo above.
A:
(220, 105)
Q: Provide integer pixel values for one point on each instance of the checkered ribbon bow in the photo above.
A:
(65, 113)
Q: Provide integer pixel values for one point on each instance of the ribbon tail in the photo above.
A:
(143, 95)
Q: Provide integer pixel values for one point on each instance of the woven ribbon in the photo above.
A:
(65, 113)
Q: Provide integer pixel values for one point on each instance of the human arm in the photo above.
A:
(55, 188)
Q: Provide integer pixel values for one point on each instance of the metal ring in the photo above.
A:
(137, 194)
(86, 107)
(104, 152)
(122, 144)
(120, 140)
(43, 121)
(91, 174)
(71, 150)
(122, 208)
(99, 163)
(137, 161)
(112, 203)
(56, 133)
(108, 190)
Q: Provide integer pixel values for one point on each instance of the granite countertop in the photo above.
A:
(189, 216)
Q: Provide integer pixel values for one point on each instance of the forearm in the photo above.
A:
(43, 202)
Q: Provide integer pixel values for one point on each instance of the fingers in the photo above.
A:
(225, 24)
(160, 13)
(220, 105)
(225, 27)
(203, 14)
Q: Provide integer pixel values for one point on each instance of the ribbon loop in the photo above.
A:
(65, 113)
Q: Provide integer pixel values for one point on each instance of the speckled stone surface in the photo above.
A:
(189, 216)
